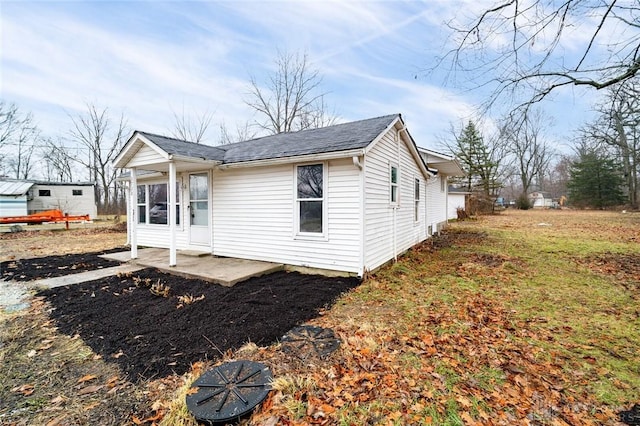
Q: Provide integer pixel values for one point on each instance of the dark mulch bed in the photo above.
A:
(54, 266)
(149, 336)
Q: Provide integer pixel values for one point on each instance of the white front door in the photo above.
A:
(199, 229)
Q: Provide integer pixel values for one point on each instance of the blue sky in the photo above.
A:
(149, 59)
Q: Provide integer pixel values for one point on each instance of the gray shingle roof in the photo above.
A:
(339, 137)
(184, 148)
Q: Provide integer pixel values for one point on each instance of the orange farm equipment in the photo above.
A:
(43, 217)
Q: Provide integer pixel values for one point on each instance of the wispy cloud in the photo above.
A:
(149, 59)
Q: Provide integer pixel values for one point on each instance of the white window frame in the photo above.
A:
(393, 185)
(296, 231)
(147, 208)
(417, 188)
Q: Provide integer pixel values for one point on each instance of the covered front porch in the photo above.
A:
(219, 270)
(169, 195)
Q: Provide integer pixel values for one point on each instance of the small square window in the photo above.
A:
(76, 192)
(44, 192)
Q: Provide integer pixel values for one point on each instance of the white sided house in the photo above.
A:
(347, 198)
(24, 197)
(541, 200)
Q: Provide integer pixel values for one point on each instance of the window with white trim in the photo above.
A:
(142, 204)
(152, 203)
(416, 200)
(310, 198)
(394, 177)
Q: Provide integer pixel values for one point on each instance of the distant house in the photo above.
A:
(541, 200)
(23, 197)
(347, 198)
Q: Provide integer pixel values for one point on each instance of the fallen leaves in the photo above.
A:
(87, 378)
(26, 389)
(89, 389)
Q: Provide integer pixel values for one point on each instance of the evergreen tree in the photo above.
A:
(478, 159)
(595, 181)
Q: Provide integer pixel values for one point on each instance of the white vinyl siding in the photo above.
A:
(437, 204)
(13, 205)
(390, 229)
(254, 209)
(145, 156)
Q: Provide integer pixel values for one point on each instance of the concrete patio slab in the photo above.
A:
(220, 270)
(82, 277)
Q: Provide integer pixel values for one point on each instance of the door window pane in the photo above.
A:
(199, 213)
(198, 188)
(199, 202)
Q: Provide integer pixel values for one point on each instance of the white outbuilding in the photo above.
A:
(23, 197)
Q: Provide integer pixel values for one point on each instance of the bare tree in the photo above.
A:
(522, 48)
(618, 127)
(528, 145)
(9, 121)
(24, 143)
(57, 161)
(102, 140)
(189, 128)
(18, 139)
(290, 100)
(243, 133)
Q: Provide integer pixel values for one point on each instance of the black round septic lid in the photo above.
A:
(309, 340)
(229, 391)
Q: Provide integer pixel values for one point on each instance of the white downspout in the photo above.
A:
(363, 220)
(171, 212)
(133, 208)
(396, 205)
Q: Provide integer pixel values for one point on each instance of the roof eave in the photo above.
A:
(332, 155)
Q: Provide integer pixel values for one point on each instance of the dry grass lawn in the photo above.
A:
(523, 318)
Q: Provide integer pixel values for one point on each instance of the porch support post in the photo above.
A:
(171, 212)
(132, 218)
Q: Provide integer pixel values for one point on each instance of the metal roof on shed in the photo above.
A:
(14, 187)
